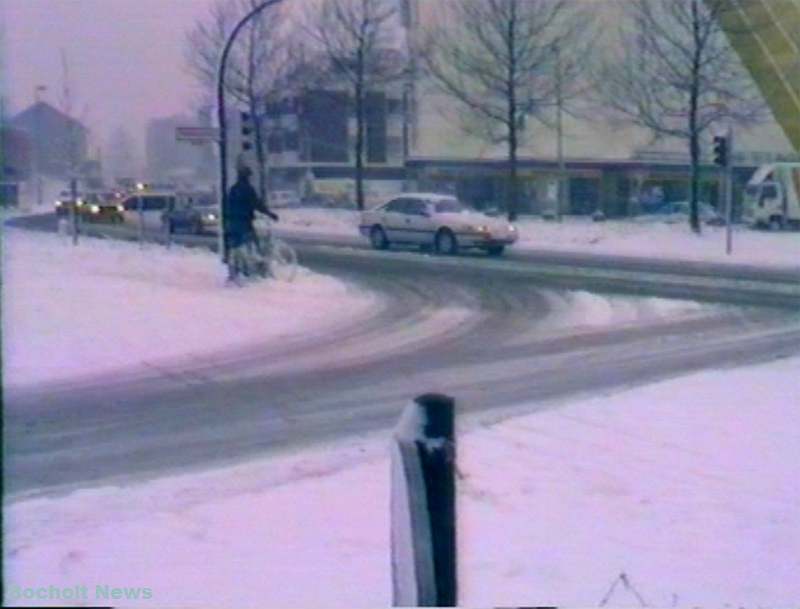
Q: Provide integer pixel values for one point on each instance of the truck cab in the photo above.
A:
(772, 197)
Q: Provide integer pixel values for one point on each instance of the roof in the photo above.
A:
(41, 111)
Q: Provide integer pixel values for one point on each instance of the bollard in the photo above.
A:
(423, 505)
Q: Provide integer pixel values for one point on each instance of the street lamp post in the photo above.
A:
(223, 140)
(36, 149)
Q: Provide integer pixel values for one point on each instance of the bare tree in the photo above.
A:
(676, 74)
(355, 37)
(501, 61)
(256, 66)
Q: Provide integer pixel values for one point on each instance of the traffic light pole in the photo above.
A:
(723, 157)
(221, 118)
(729, 196)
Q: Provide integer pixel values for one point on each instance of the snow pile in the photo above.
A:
(105, 305)
(688, 486)
(579, 310)
(660, 240)
(314, 220)
(634, 237)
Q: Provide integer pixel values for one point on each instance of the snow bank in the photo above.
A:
(688, 486)
(327, 221)
(635, 238)
(660, 240)
(75, 311)
(579, 310)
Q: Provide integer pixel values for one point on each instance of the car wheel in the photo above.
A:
(496, 250)
(377, 237)
(775, 223)
(446, 242)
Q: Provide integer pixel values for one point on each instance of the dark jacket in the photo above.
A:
(243, 202)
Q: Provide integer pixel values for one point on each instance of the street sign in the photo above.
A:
(197, 135)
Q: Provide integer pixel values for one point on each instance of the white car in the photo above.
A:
(438, 221)
(147, 208)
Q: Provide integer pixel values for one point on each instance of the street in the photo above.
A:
(191, 414)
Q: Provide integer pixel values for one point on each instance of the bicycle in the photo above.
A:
(263, 257)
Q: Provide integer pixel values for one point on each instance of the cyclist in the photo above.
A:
(243, 202)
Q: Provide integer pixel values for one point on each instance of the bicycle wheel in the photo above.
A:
(282, 261)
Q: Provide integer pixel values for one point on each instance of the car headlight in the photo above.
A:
(59, 204)
(120, 208)
(512, 228)
(211, 217)
(79, 202)
(95, 209)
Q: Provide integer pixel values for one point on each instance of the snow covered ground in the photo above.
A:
(636, 238)
(688, 486)
(106, 305)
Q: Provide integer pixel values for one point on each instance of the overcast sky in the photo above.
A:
(125, 57)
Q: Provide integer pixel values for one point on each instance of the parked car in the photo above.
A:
(678, 211)
(434, 220)
(194, 213)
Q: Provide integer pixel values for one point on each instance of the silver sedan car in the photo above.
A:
(438, 221)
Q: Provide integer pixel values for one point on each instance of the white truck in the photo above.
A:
(772, 197)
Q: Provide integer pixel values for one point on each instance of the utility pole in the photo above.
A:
(222, 119)
(36, 149)
(723, 157)
(560, 131)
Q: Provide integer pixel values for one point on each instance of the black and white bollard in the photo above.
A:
(423, 505)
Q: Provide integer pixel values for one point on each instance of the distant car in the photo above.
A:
(99, 207)
(194, 213)
(64, 203)
(678, 211)
(283, 198)
(434, 220)
(104, 208)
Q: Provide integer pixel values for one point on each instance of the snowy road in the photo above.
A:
(485, 336)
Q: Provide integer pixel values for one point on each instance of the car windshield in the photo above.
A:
(450, 206)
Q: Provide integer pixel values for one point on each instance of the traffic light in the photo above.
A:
(247, 131)
(721, 150)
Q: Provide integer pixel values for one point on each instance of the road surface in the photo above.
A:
(223, 408)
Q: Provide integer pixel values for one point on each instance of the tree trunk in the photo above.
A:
(359, 91)
(694, 135)
(359, 148)
(513, 142)
(694, 216)
(513, 178)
